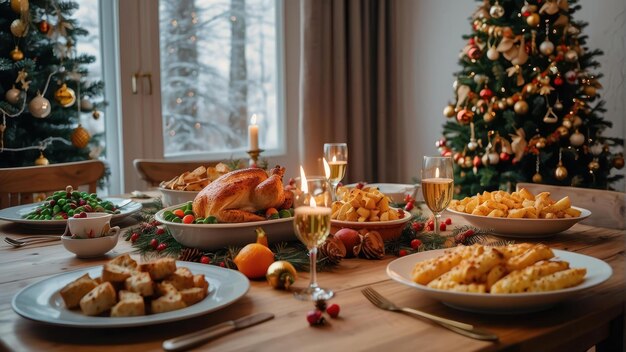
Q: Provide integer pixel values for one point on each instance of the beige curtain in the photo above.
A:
(346, 86)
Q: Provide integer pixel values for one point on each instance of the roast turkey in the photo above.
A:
(238, 195)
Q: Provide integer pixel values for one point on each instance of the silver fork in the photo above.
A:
(462, 328)
(30, 240)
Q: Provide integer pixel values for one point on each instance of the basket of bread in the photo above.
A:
(127, 288)
(185, 187)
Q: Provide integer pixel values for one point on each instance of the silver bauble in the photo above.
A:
(13, 95)
(39, 107)
(496, 11)
(571, 56)
(577, 139)
(546, 47)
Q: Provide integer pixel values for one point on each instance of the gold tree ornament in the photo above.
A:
(561, 171)
(65, 96)
(41, 160)
(521, 107)
(16, 54)
(95, 114)
(19, 6)
(618, 161)
(80, 137)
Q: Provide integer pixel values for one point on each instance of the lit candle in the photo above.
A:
(253, 134)
(312, 209)
(436, 172)
(326, 168)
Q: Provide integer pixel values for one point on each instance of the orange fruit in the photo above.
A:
(253, 260)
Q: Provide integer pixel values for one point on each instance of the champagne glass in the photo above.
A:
(437, 184)
(336, 156)
(311, 223)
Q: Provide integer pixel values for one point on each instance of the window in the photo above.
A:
(219, 66)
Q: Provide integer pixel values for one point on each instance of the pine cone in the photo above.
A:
(190, 255)
(333, 249)
(373, 246)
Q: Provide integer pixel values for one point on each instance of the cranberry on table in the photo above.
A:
(205, 260)
(161, 247)
(134, 237)
(415, 243)
(448, 221)
(402, 252)
(314, 317)
(154, 243)
(333, 310)
(442, 226)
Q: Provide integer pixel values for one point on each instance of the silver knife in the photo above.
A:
(195, 338)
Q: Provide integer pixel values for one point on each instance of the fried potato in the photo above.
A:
(559, 280)
(517, 205)
(531, 256)
(362, 205)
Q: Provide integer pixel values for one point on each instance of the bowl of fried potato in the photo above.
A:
(367, 208)
(519, 214)
(516, 278)
(184, 187)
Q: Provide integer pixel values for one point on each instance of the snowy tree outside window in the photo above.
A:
(218, 67)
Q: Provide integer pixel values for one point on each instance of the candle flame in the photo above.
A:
(334, 158)
(304, 187)
(253, 119)
(437, 172)
(326, 168)
(312, 202)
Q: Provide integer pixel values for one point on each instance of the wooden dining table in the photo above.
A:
(594, 317)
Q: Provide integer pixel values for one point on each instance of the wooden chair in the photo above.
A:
(608, 208)
(18, 184)
(154, 171)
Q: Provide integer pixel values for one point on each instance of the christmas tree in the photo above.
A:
(41, 84)
(527, 102)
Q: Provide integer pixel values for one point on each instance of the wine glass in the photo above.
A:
(336, 156)
(311, 223)
(437, 184)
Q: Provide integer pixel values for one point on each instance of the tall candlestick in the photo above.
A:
(253, 134)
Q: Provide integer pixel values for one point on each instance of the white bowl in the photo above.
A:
(91, 247)
(214, 236)
(171, 197)
(523, 228)
(388, 230)
(395, 191)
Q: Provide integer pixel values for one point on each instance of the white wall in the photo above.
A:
(429, 40)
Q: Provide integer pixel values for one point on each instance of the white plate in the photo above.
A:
(396, 191)
(16, 214)
(597, 272)
(42, 302)
(214, 236)
(523, 228)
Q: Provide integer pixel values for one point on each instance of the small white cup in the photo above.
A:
(93, 226)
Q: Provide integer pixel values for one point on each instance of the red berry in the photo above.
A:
(333, 310)
(402, 253)
(360, 185)
(417, 226)
(448, 221)
(160, 231)
(154, 243)
(155, 223)
(430, 222)
(188, 219)
(415, 243)
(408, 206)
(161, 247)
(442, 226)
(205, 260)
(469, 233)
(408, 198)
(430, 227)
(134, 237)
(314, 317)
(222, 264)
(179, 212)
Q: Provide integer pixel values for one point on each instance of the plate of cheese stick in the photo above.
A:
(508, 279)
